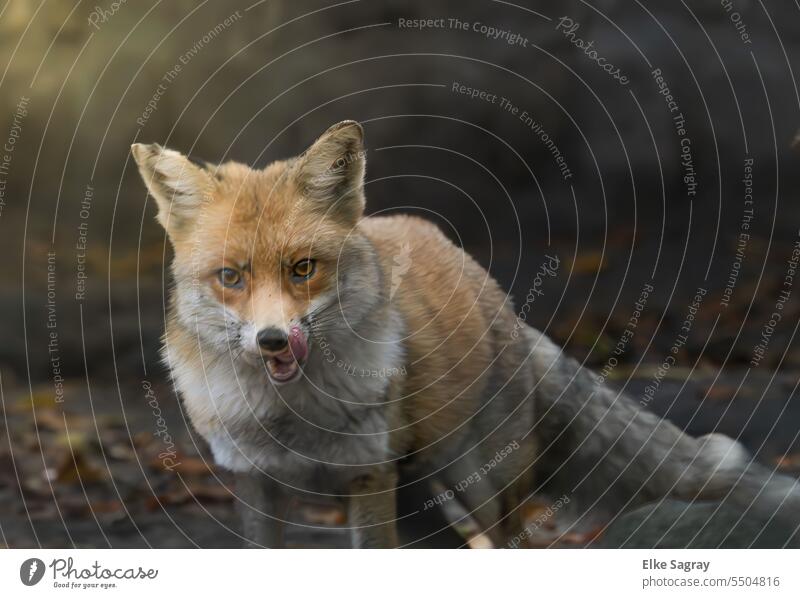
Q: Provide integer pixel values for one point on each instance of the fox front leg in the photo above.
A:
(262, 505)
(372, 510)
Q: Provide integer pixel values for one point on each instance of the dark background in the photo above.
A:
(265, 86)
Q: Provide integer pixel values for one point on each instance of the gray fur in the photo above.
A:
(263, 507)
(609, 451)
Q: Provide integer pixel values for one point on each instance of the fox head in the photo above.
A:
(264, 259)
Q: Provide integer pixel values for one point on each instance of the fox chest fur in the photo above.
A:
(315, 434)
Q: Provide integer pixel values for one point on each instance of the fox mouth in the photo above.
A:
(286, 366)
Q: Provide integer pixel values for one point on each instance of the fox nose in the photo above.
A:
(272, 339)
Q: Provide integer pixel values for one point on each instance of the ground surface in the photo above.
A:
(91, 475)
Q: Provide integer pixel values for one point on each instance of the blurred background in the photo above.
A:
(646, 146)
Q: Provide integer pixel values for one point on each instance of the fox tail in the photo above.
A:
(601, 446)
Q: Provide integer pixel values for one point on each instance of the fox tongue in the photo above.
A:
(285, 364)
(298, 345)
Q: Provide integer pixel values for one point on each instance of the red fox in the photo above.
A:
(319, 350)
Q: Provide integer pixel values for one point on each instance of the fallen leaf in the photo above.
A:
(106, 506)
(74, 468)
(588, 262)
(721, 392)
(183, 464)
(38, 399)
(49, 419)
(788, 461)
(205, 493)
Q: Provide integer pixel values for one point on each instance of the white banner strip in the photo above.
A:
(401, 574)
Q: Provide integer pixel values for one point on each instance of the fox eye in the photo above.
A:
(304, 269)
(230, 278)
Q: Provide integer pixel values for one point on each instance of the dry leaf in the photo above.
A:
(721, 392)
(184, 465)
(788, 461)
(76, 468)
(588, 262)
(205, 493)
(38, 399)
(49, 419)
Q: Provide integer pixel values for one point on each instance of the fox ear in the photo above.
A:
(179, 184)
(331, 171)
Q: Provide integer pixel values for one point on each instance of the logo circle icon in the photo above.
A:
(31, 571)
